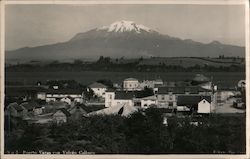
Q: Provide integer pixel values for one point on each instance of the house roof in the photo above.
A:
(124, 95)
(97, 85)
(122, 109)
(181, 90)
(64, 111)
(131, 79)
(64, 91)
(129, 94)
(150, 98)
(191, 100)
(73, 109)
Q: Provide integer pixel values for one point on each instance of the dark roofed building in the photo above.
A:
(124, 95)
(188, 100)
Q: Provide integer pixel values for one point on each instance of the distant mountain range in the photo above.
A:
(124, 39)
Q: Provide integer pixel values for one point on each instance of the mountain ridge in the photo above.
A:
(125, 38)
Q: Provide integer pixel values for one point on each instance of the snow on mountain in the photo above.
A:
(125, 26)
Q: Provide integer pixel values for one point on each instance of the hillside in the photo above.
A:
(124, 38)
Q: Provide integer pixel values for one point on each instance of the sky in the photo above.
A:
(35, 25)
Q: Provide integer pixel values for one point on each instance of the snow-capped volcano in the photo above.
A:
(124, 38)
(125, 26)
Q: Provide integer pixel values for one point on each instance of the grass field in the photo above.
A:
(192, 61)
(228, 79)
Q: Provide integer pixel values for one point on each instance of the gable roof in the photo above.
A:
(121, 109)
(97, 85)
(191, 100)
(73, 109)
(64, 111)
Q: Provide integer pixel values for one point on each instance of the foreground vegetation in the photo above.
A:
(141, 133)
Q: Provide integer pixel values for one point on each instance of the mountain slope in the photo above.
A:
(124, 38)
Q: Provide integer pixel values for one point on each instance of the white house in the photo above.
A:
(109, 98)
(131, 84)
(146, 83)
(114, 98)
(148, 101)
(205, 106)
(99, 89)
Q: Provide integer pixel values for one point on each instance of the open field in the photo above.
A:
(225, 79)
(193, 61)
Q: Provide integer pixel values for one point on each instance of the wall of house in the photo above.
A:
(100, 92)
(147, 103)
(130, 85)
(167, 100)
(123, 102)
(41, 95)
(109, 99)
(204, 107)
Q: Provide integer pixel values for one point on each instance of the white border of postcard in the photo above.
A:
(3, 3)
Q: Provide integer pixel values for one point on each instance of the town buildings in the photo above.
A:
(99, 89)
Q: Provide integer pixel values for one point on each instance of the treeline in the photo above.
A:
(121, 67)
(141, 133)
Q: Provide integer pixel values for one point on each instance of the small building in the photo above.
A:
(124, 98)
(60, 116)
(204, 106)
(167, 96)
(146, 102)
(109, 98)
(196, 103)
(131, 84)
(114, 98)
(58, 94)
(99, 89)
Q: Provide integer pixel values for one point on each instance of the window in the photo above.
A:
(162, 98)
(170, 104)
(170, 97)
